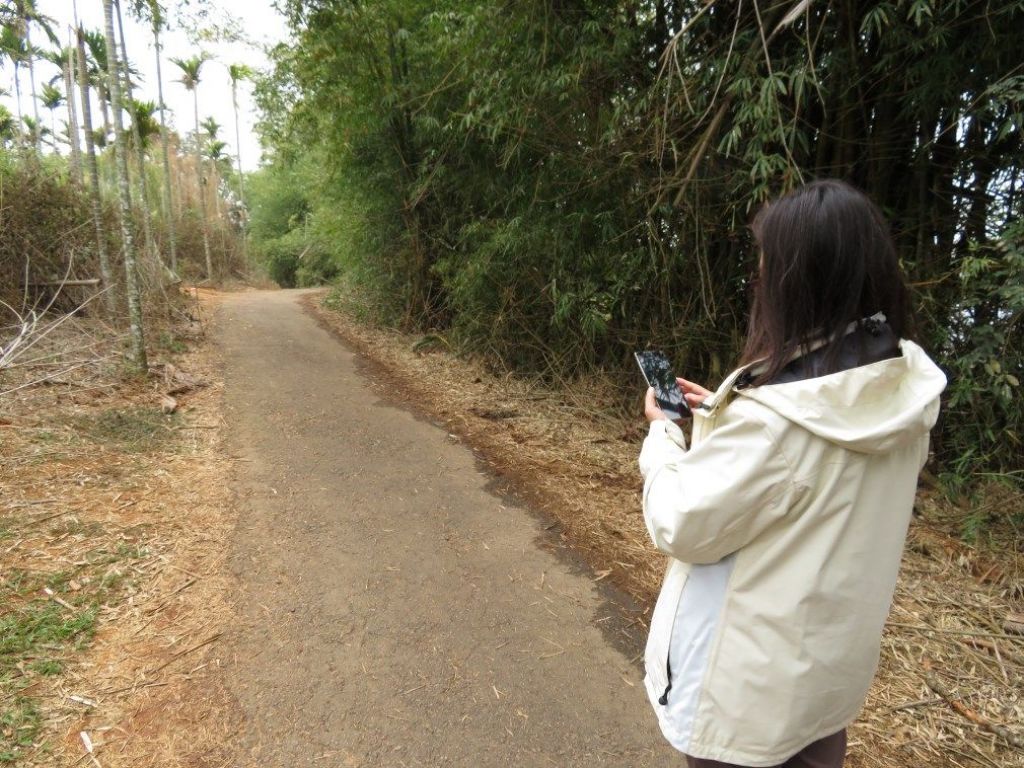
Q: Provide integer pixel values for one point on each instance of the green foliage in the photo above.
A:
(985, 357)
(557, 184)
(281, 262)
(8, 126)
(287, 226)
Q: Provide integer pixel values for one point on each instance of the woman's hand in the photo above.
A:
(694, 393)
(651, 409)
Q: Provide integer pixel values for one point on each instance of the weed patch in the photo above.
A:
(31, 634)
(171, 343)
(134, 430)
(20, 723)
(46, 667)
(41, 624)
(75, 527)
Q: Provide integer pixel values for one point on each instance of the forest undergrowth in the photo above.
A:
(948, 691)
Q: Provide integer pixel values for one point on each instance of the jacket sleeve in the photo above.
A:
(703, 504)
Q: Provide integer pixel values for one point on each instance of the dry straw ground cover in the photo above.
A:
(950, 688)
(113, 522)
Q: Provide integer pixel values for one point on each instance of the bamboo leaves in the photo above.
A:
(556, 183)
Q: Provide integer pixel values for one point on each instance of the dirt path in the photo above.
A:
(395, 611)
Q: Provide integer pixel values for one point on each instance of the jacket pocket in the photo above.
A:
(659, 639)
(663, 699)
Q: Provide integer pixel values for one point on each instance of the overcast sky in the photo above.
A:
(259, 22)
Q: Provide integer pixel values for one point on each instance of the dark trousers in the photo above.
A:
(824, 753)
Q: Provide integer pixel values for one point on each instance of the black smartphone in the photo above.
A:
(657, 372)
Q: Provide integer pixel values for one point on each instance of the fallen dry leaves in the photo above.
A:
(126, 511)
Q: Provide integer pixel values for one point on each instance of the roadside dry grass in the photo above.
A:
(113, 589)
(950, 688)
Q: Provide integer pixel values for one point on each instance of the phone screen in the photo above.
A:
(658, 372)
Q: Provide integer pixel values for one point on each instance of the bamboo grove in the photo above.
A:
(554, 183)
(101, 191)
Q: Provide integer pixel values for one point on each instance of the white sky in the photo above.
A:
(259, 21)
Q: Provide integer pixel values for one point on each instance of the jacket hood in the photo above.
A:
(870, 409)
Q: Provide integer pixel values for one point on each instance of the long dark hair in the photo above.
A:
(827, 259)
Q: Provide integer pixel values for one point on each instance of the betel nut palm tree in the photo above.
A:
(63, 59)
(27, 15)
(110, 297)
(14, 48)
(53, 99)
(156, 17)
(138, 146)
(138, 346)
(190, 72)
(237, 73)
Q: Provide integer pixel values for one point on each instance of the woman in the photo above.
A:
(785, 521)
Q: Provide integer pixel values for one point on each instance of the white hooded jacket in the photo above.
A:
(785, 524)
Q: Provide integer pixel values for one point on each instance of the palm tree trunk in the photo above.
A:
(140, 156)
(69, 87)
(202, 188)
(104, 96)
(238, 143)
(168, 196)
(94, 180)
(138, 351)
(219, 214)
(241, 178)
(216, 194)
(17, 101)
(32, 76)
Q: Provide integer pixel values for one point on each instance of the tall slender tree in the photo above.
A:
(69, 87)
(144, 129)
(219, 164)
(157, 20)
(25, 10)
(190, 71)
(238, 73)
(97, 45)
(28, 14)
(14, 48)
(63, 59)
(140, 155)
(110, 297)
(213, 150)
(138, 343)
